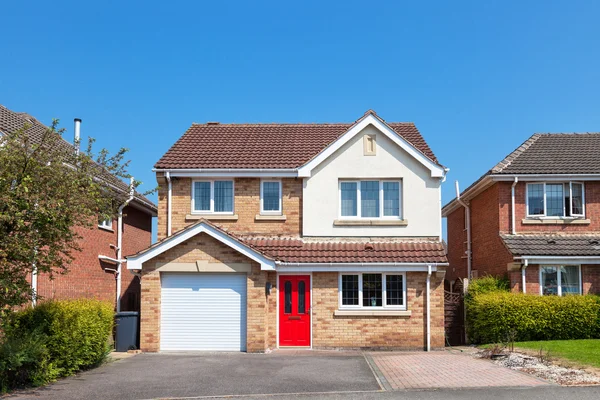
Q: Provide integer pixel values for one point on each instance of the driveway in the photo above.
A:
(177, 375)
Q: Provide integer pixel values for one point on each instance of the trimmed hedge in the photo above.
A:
(500, 317)
(54, 339)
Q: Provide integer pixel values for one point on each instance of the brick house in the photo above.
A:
(295, 235)
(94, 271)
(534, 218)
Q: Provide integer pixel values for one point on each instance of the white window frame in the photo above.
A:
(570, 183)
(271, 212)
(106, 224)
(212, 197)
(559, 278)
(358, 201)
(360, 305)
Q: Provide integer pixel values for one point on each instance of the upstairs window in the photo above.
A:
(370, 199)
(105, 224)
(270, 197)
(212, 197)
(555, 199)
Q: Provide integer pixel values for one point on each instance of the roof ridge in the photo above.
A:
(515, 154)
(566, 133)
(241, 124)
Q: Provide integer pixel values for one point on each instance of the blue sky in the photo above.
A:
(477, 77)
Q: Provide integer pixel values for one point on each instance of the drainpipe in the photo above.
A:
(168, 176)
(428, 307)
(120, 242)
(512, 194)
(468, 223)
(523, 268)
(77, 131)
(34, 276)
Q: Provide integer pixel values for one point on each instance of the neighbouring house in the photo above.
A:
(295, 235)
(534, 218)
(94, 271)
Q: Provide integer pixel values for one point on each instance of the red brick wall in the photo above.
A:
(86, 276)
(592, 210)
(490, 256)
(457, 245)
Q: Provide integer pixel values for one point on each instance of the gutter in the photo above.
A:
(468, 224)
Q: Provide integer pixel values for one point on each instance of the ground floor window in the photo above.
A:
(372, 290)
(560, 279)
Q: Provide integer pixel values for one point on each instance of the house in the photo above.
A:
(95, 270)
(295, 235)
(534, 218)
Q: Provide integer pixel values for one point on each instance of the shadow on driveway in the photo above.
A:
(148, 376)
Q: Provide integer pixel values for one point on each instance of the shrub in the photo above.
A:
(65, 336)
(495, 316)
(488, 284)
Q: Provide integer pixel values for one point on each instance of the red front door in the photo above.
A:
(294, 310)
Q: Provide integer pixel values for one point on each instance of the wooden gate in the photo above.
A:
(454, 320)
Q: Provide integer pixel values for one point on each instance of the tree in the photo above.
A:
(47, 191)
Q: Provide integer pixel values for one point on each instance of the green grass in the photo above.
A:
(583, 352)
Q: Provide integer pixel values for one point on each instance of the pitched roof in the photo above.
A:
(272, 146)
(552, 245)
(11, 121)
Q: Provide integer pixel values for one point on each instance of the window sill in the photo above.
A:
(372, 313)
(104, 228)
(556, 221)
(261, 217)
(370, 222)
(212, 217)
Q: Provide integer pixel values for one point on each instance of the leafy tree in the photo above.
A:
(48, 193)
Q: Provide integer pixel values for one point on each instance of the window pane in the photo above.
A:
(202, 196)
(271, 196)
(569, 279)
(369, 199)
(350, 290)
(549, 280)
(391, 199)
(223, 196)
(394, 292)
(577, 189)
(288, 297)
(535, 194)
(348, 199)
(301, 297)
(554, 199)
(372, 293)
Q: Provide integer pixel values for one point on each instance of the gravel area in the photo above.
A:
(546, 369)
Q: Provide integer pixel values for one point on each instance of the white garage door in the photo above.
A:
(203, 312)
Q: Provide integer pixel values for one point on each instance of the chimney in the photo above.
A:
(77, 138)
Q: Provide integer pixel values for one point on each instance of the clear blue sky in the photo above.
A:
(477, 77)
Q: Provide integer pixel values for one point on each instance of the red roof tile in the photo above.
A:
(215, 145)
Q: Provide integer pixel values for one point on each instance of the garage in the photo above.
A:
(203, 312)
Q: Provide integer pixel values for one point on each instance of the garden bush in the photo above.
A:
(500, 316)
(488, 284)
(55, 339)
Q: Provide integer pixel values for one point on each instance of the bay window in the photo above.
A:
(370, 199)
(555, 199)
(212, 197)
(560, 280)
(372, 290)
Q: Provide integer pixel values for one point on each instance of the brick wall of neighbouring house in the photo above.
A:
(204, 247)
(373, 332)
(457, 245)
(490, 256)
(246, 207)
(86, 276)
(592, 211)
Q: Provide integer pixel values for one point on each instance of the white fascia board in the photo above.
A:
(546, 177)
(436, 170)
(231, 173)
(357, 267)
(135, 262)
(560, 259)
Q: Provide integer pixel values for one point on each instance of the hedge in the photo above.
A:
(54, 339)
(500, 317)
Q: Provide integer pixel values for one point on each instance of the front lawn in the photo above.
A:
(583, 351)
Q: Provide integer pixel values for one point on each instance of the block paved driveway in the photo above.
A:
(149, 376)
(444, 369)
